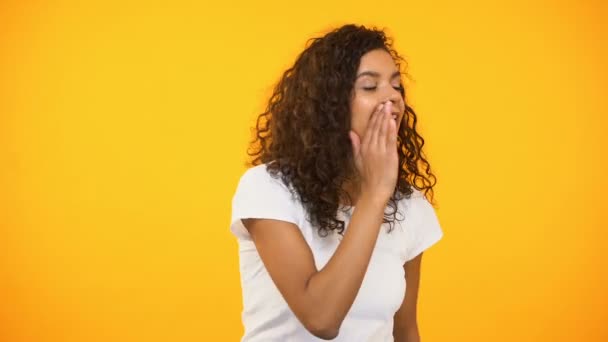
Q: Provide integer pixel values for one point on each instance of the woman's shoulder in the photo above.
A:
(260, 195)
(257, 172)
(415, 195)
(413, 203)
(260, 178)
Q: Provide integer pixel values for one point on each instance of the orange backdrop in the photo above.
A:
(123, 128)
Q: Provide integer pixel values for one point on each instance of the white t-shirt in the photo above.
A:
(266, 315)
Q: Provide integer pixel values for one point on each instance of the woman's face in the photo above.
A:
(378, 81)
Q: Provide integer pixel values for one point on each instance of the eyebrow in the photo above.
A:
(377, 74)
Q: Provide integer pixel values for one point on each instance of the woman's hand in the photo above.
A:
(376, 156)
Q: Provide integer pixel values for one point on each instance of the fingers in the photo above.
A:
(381, 131)
(391, 135)
(377, 157)
(384, 126)
(371, 134)
(391, 140)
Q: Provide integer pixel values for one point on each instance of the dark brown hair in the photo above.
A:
(302, 136)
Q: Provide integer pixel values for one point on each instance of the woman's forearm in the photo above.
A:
(333, 289)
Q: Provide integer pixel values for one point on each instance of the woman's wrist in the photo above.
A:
(372, 201)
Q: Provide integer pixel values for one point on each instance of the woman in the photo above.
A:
(332, 218)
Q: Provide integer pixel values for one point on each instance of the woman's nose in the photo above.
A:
(394, 97)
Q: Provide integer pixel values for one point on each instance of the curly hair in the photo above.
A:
(302, 136)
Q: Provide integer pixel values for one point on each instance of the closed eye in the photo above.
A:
(398, 88)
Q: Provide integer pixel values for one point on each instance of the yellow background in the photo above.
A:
(123, 128)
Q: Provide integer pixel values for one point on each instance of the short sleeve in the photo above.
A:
(259, 195)
(421, 225)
